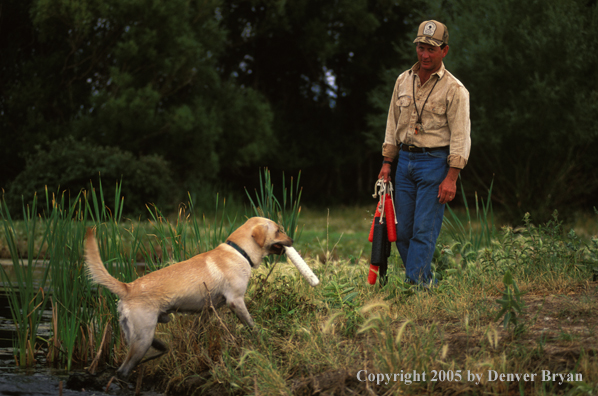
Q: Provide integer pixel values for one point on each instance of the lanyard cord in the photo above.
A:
(419, 115)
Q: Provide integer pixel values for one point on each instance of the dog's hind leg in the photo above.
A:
(138, 348)
(158, 345)
(139, 327)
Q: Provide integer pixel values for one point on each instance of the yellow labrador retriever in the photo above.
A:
(183, 287)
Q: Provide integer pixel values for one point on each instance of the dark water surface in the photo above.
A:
(37, 382)
(42, 380)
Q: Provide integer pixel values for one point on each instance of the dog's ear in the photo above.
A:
(259, 233)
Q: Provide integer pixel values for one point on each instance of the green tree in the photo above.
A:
(18, 45)
(67, 166)
(141, 75)
(531, 72)
(316, 61)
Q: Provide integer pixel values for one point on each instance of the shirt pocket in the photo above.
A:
(403, 104)
(435, 116)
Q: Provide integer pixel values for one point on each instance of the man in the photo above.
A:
(428, 128)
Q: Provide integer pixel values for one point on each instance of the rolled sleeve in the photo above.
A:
(456, 161)
(390, 150)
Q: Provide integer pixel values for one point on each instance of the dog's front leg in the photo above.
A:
(237, 305)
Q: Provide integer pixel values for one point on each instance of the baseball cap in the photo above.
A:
(433, 33)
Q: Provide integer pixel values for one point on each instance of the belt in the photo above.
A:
(415, 149)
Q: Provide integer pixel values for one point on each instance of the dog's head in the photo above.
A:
(270, 236)
(262, 234)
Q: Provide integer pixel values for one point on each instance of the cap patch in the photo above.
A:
(429, 29)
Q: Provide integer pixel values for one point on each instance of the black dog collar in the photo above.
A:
(243, 253)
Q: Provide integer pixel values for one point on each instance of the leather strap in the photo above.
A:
(415, 149)
(243, 253)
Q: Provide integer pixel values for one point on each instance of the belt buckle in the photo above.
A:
(412, 147)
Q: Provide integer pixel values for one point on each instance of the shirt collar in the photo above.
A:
(440, 72)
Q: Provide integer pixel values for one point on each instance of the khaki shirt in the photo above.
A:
(445, 117)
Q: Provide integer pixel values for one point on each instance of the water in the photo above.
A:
(42, 380)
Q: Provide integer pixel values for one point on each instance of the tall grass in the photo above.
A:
(81, 312)
(286, 211)
(310, 340)
(70, 293)
(469, 240)
(27, 294)
(191, 233)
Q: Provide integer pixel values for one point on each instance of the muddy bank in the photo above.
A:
(38, 383)
(42, 382)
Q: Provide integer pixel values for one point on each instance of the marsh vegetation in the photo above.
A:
(511, 300)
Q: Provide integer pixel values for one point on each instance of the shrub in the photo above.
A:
(67, 165)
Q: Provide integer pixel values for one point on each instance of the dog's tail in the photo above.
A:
(96, 270)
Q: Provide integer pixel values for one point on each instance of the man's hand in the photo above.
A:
(384, 173)
(385, 170)
(448, 187)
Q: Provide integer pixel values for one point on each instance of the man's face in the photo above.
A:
(430, 57)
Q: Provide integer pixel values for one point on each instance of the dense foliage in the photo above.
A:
(138, 75)
(219, 88)
(66, 165)
(531, 71)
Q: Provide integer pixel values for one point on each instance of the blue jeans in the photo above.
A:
(419, 213)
